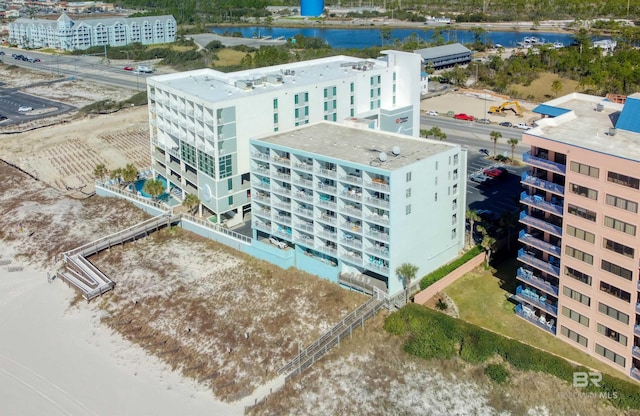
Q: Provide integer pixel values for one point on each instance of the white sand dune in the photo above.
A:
(58, 360)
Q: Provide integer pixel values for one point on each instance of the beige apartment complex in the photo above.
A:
(580, 260)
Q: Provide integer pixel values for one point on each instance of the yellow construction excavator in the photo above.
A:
(499, 110)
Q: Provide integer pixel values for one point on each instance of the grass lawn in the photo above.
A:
(540, 88)
(228, 57)
(482, 299)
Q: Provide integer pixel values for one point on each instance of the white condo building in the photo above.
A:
(67, 34)
(354, 204)
(201, 121)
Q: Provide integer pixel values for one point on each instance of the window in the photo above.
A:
(584, 191)
(408, 176)
(578, 254)
(408, 193)
(585, 169)
(570, 293)
(610, 333)
(617, 270)
(351, 87)
(455, 189)
(617, 247)
(581, 234)
(455, 159)
(297, 113)
(454, 219)
(615, 291)
(578, 317)
(610, 355)
(582, 213)
(407, 209)
(436, 165)
(454, 205)
(623, 180)
(229, 184)
(275, 103)
(578, 275)
(454, 234)
(296, 99)
(230, 200)
(275, 118)
(335, 91)
(573, 336)
(622, 203)
(620, 225)
(613, 313)
(326, 92)
(224, 166)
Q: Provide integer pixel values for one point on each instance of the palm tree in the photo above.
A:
(435, 133)
(129, 174)
(556, 86)
(153, 187)
(513, 142)
(100, 171)
(191, 201)
(408, 272)
(116, 174)
(472, 217)
(494, 136)
(487, 244)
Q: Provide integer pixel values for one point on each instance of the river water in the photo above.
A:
(364, 38)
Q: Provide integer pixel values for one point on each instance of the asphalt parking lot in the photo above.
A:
(11, 100)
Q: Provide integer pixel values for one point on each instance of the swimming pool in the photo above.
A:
(165, 197)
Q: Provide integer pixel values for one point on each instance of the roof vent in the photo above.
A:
(382, 157)
(612, 131)
(395, 150)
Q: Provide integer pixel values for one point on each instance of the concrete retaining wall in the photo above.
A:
(423, 296)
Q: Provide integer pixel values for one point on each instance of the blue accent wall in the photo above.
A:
(315, 266)
(264, 251)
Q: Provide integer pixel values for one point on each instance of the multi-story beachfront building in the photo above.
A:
(353, 204)
(67, 34)
(201, 121)
(580, 260)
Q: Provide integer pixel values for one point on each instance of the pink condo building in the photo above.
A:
(578, 278)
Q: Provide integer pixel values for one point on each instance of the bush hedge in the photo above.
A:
(497, 373)
(438, 274)
(432, 334)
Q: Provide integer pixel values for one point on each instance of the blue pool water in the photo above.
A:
(165, 197)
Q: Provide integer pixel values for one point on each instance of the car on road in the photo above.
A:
(483, 121)
(463, 116)
(278, 243)
(484, 152)
(24, 109)
(128, 68)
(506, 124)
(431, 113)
(522, 126)
(494, 172)
(479, 178)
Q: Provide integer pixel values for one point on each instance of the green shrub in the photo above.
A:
(395, 324)
(438, 274)
(497, 373)
(477, 345)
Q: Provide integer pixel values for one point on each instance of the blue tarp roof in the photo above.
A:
(549, 110)
(630, 115)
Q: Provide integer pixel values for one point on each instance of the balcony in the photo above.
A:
(159, 154)
(379, 235)
(378, 251)
(378, 202)
(304, 182)
(283, 161)
(635, 373)
(266, 213)
(190, 176)
(304, 240)
(328, 234)
(308, 227)
(282, 176)
(539, 202)
(258, 225)
(378, 265)
(284, 219)
(264, 183)
(353, 256)
(282, 191)
(350, 241)
(260, 155)
(532, 241)
(329, 189)
(378, 184)
(262, 170)
(262, 197)
(304, 166)
(535, 262)
(528, 277)
(329, 173)
(328, 219)
(306, 212)
(351, 226)
(305, 196)
(538, 162)
(540, 224)
(328, 249)
(524, 294)
(636, 352)
(355, 196)
(323, 202)
(348, 209)
(281, 204)
(529, 315)
(352, 179)
(531, 180)
(638, 308)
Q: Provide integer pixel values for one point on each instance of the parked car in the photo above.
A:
(463, 116)
(278, 243)
(24, 109)
(494, 172)
(506, 124)
(479, 178)
(522, 126)
(128, 68)
(483, 121)
(431, 113)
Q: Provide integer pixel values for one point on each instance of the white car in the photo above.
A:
(278, 243)
(431, 113)
(522, 126)
(24, 109)
(479, 178)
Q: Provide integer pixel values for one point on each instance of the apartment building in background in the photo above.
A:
(352, 204)
(201, 121)
(580, 260)
(78, 34)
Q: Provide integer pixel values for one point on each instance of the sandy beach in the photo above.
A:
(57, 359)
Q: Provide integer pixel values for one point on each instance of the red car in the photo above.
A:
(128, 68)
(463, 116)
(495, 172)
